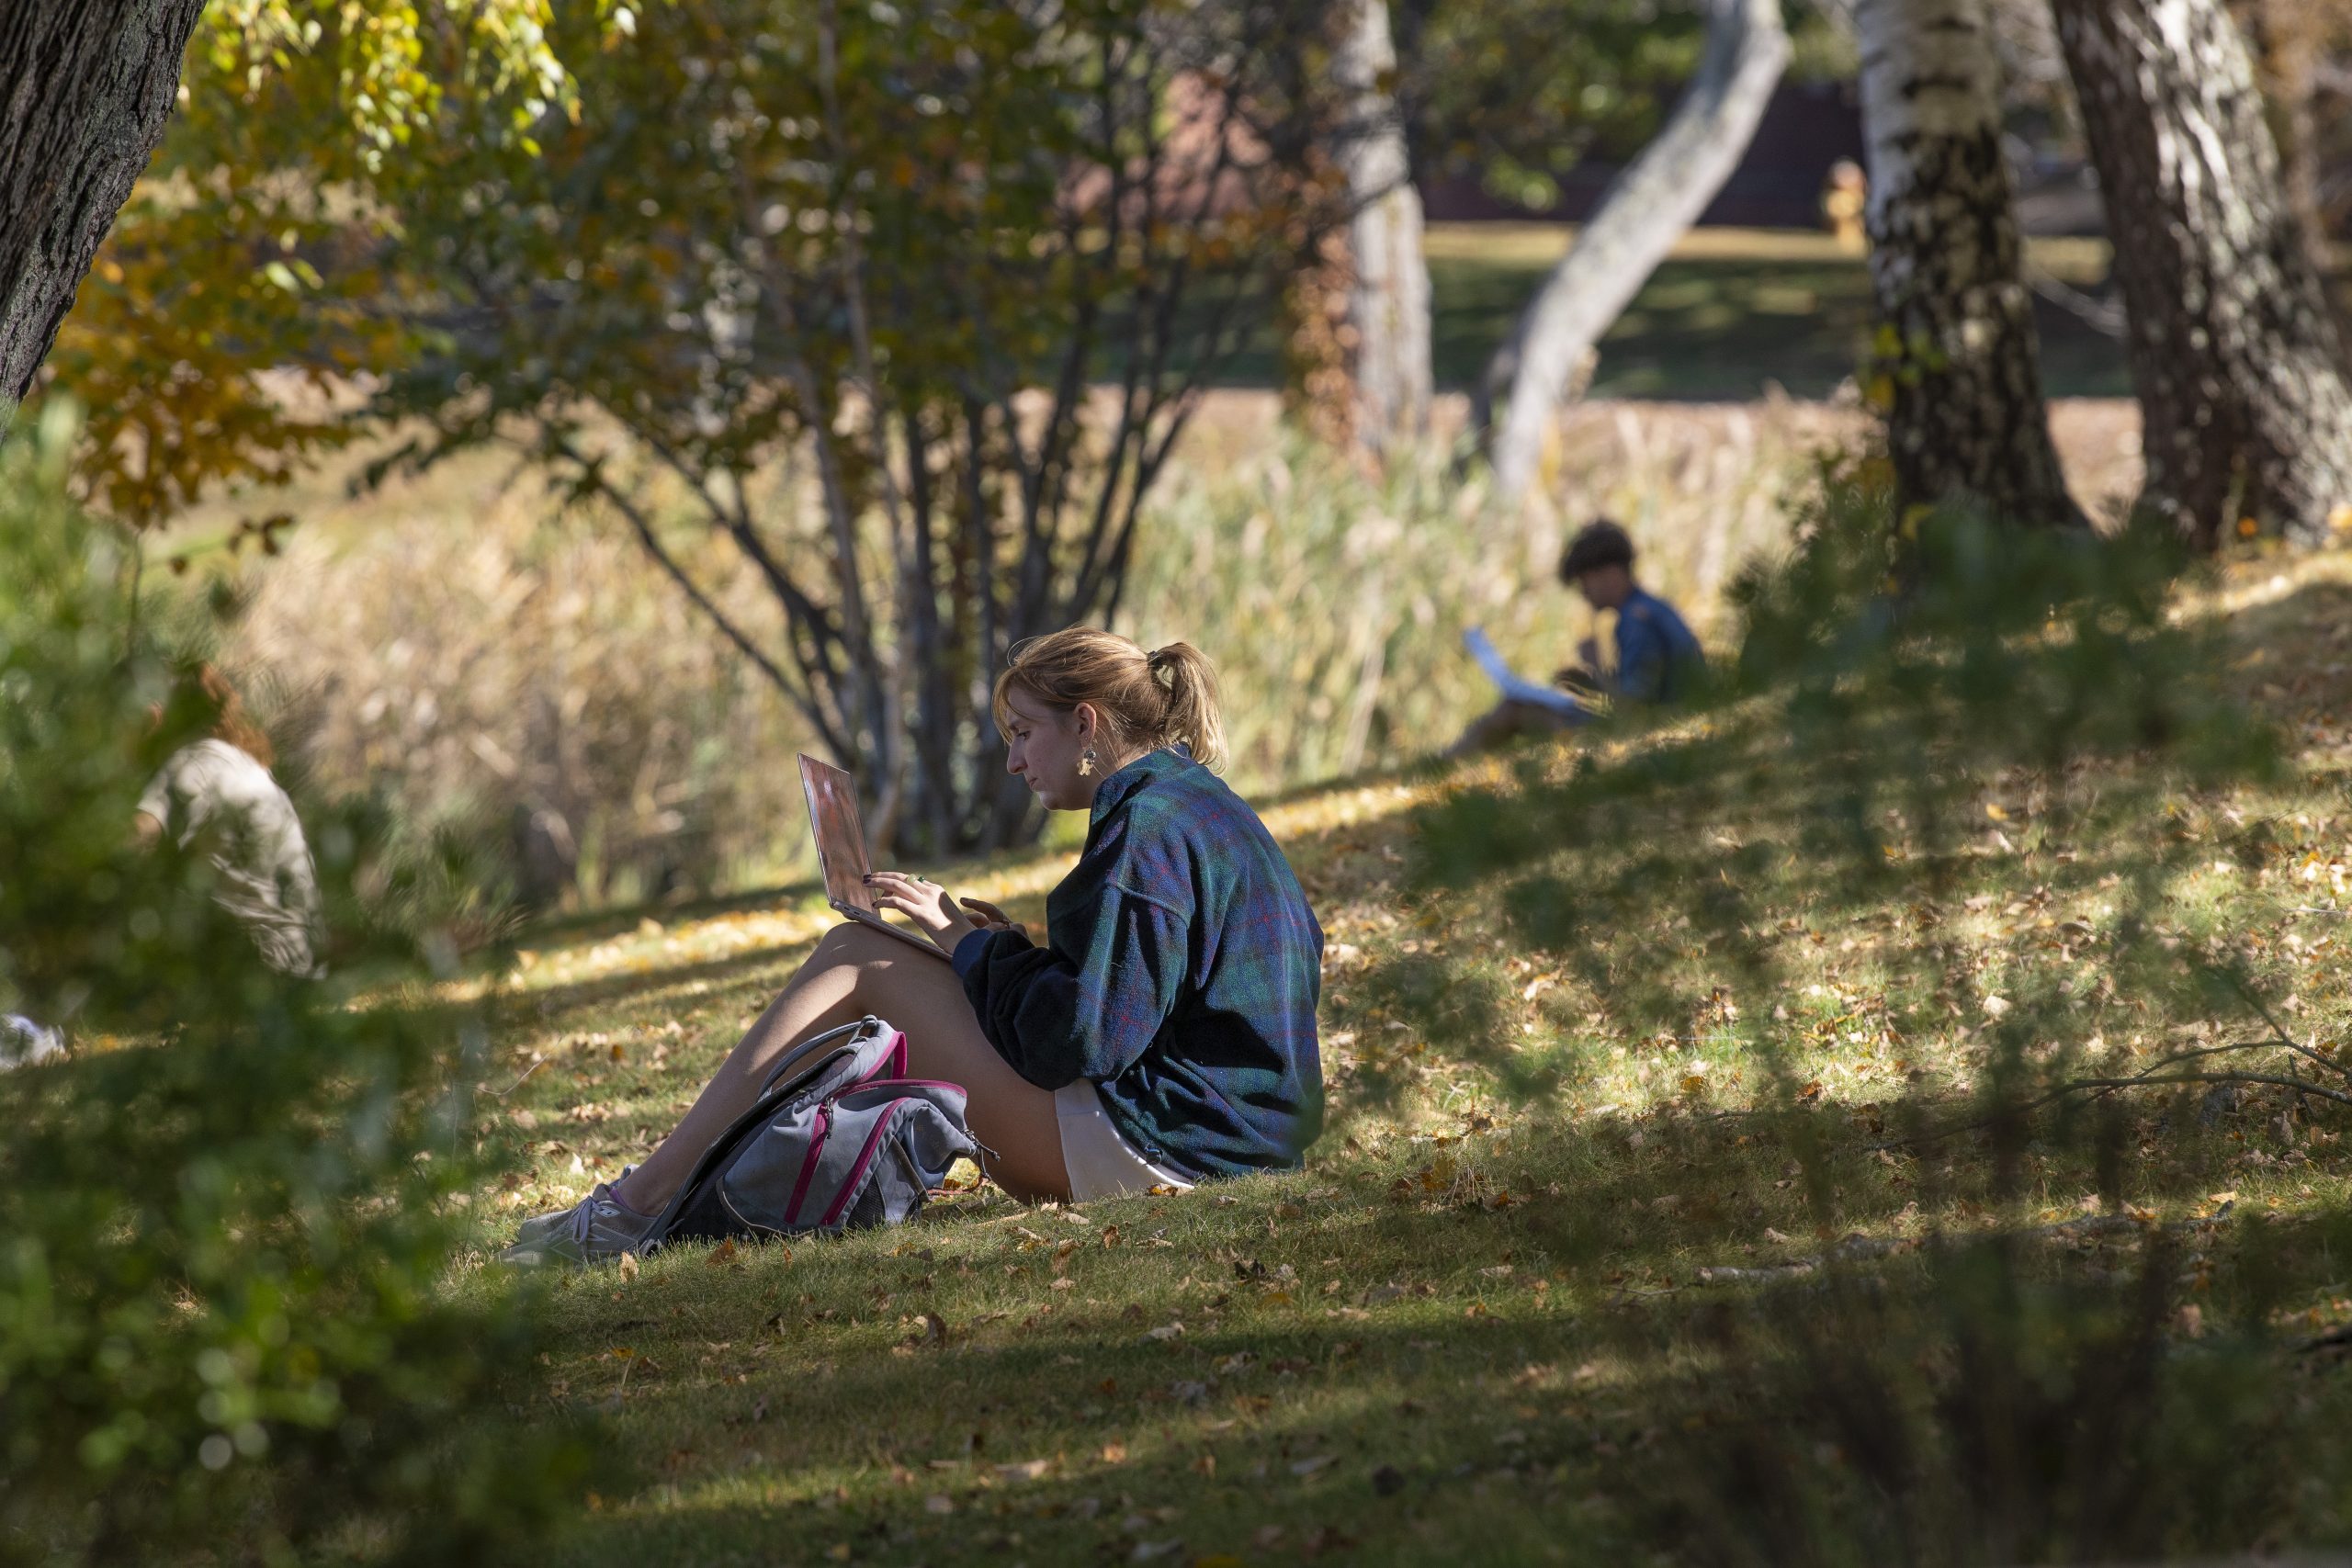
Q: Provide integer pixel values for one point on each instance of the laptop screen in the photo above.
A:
(841, 842)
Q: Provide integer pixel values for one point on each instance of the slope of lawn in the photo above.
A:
(1475, 1329)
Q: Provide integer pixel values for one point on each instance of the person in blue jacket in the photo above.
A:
(1163, 1033)
(1658, 660)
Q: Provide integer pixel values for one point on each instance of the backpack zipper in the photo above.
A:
(809, 1162)
(864, 1158)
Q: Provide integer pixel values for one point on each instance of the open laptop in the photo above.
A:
(840, 849)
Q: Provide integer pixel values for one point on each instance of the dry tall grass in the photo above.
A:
(447, 644)
(1334, 602)
(481, 657)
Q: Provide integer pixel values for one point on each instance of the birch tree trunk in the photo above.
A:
(2234, 352)
(1648, 207)
(1957, 366)
(1389, 292)
(84, 90)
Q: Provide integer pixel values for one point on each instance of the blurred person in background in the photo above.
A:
(1845, 206)
(1658, 661)
(217, 796)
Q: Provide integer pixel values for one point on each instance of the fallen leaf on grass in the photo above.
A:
(1323, 1539)
(723, 1253)
(938, 1502)
(1115, 1453)
(1027, 1470)
(628, 1267)
(1165, 1331)
(1309, 1466)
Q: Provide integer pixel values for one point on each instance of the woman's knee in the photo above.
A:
(850, 946)
(869, 960)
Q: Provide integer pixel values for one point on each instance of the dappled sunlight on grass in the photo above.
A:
(1487, 1323)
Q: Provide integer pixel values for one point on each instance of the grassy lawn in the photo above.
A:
(1474, 1330)
(1731, 312)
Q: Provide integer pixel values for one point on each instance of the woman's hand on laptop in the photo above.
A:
(924, 902)
(991, 917)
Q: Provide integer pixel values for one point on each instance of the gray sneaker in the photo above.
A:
(540, 1227)
(597, 1229)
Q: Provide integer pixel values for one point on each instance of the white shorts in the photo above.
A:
(1101, 1163)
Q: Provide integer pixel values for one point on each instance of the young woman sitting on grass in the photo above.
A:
(1164, 1034)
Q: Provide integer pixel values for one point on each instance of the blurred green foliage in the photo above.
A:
(241, 289)
(1514, 94)
(226, 1216)
(1501, 93)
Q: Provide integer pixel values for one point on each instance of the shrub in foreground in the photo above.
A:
(226, 1221)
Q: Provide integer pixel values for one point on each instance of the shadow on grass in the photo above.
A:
(1483, 1378)
(1496, 1342)
(649, 991)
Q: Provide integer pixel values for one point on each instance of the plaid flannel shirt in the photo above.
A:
(1180, 974)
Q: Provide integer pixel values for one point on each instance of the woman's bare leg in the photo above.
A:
(854, 972)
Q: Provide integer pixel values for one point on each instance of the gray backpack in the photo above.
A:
(839, 1139)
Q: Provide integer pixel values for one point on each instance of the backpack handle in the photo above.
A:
(792, 1056)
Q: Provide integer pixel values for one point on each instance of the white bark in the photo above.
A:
(1957, 366)
(1648, 207)
(1388, 295)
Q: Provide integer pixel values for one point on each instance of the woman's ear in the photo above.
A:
(1083, 722)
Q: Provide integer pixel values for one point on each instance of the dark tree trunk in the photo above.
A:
(1957, 368)
(2240, 369)
(85, 86)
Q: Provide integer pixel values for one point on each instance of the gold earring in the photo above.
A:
(1086, 763)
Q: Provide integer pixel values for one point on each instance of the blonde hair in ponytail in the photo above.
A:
(1195, 712)
(1146, 699)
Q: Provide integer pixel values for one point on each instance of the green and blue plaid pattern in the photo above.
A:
(1180, 974)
